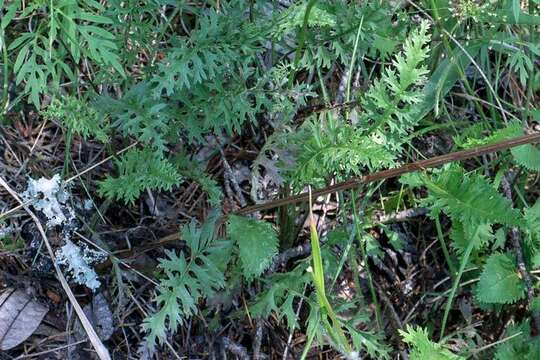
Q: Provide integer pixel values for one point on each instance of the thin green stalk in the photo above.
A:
(334, 329)
(353, 59)
(366, 263)
(323, 87)
(464, 261)
(301, 41)
(311, 337)
(440, 236)
(5, 87)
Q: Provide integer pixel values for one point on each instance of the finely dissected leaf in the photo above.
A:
(139, 170)
(513, 129)
(391, 103)
(139, 115)
(188, 278)
(50, 54)
(19, 317)
(500, 282)
(527, 156)
(423, 348)
(79, 117)
(338, 149)
(257, 243)
(284, 289)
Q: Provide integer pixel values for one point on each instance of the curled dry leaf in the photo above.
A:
(19, 317)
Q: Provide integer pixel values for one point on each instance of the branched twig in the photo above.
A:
(288, 254)
(229, 178)
(236, 349)
(515, 236)
(403, 215)
(257, 341)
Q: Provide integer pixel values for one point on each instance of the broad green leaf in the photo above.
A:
(445, 76)
(500, 282)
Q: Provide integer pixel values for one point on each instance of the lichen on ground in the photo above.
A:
(50, 196)
(78, 259)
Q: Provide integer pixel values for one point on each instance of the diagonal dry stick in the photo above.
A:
(101, 350)
(391, 173)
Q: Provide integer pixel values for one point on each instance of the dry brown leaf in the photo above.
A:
(19, 317)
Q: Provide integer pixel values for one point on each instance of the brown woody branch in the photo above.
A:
(392, 173)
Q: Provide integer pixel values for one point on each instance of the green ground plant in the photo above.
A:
(310, 93)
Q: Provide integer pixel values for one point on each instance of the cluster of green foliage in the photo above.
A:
(170, 77)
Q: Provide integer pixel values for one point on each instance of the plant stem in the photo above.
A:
(464, 261)
(301, 40)
(335, 330)
(365, 259)
(440, 236)
(5, 87)
(353, 59)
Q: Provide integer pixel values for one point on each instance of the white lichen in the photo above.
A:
(88, 204)
(5, 231)
(50, 196)
(77, 260)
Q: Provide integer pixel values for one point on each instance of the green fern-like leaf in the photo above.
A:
(500, 282)
(79, 117)
(423, 348)
(187, 278)
(482, 235)
(284, 289)
(335, 148)
(137, 114)
(70, 29)
(520, 346)
(389, 105)
(527, 156)
(257, 243)
(470, 199)
(139, 170)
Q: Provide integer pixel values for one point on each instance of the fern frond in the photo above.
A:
(470, 199)
(79, 117)
(283, 291)
(188, 278)
(423, 348)
(223, 42)
(257, 243)
(335, 148)
(389, 104)
(139, 170)
(139, 115)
